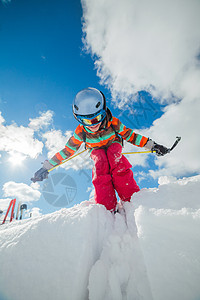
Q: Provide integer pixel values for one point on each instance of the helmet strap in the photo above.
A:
(104, 100)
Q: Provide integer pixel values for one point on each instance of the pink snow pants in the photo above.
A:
(112, 171)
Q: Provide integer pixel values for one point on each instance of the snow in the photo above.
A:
(85, 252)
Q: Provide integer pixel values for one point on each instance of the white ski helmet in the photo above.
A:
(89, 106)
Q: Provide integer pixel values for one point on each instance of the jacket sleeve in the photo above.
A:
(72, 145)
(128, 134)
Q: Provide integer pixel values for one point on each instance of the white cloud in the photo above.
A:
(153, 46)
(35, 212)
(55, 141)
(14, 138)
(142, 44)
(44, 120)
(21, 191)
(4, 203)
(179, 119)
(35, 185)
(2, 120)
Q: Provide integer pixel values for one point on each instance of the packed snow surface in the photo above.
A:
(85, 252)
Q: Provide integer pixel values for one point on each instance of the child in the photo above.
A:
(103, 136)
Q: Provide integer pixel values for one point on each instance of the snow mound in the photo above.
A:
(85, 252)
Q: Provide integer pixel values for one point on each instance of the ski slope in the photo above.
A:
(85, 252)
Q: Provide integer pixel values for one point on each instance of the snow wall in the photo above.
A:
(85, 252)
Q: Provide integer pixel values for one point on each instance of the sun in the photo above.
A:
(16, 159)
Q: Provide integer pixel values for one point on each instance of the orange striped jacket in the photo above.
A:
(111, 130)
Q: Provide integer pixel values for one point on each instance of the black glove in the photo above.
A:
(40, 175)
(160, 149)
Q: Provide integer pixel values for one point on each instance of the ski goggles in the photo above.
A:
(91, 120)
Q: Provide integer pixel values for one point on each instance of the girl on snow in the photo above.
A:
(103, 135)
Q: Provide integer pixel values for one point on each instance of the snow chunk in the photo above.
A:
(166, 179)
(85, 252)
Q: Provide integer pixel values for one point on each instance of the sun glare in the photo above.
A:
(16, 159)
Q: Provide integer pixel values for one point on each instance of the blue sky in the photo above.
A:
(43, 65)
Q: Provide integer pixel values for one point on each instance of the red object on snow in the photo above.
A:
(112, 171)
(12, 203)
